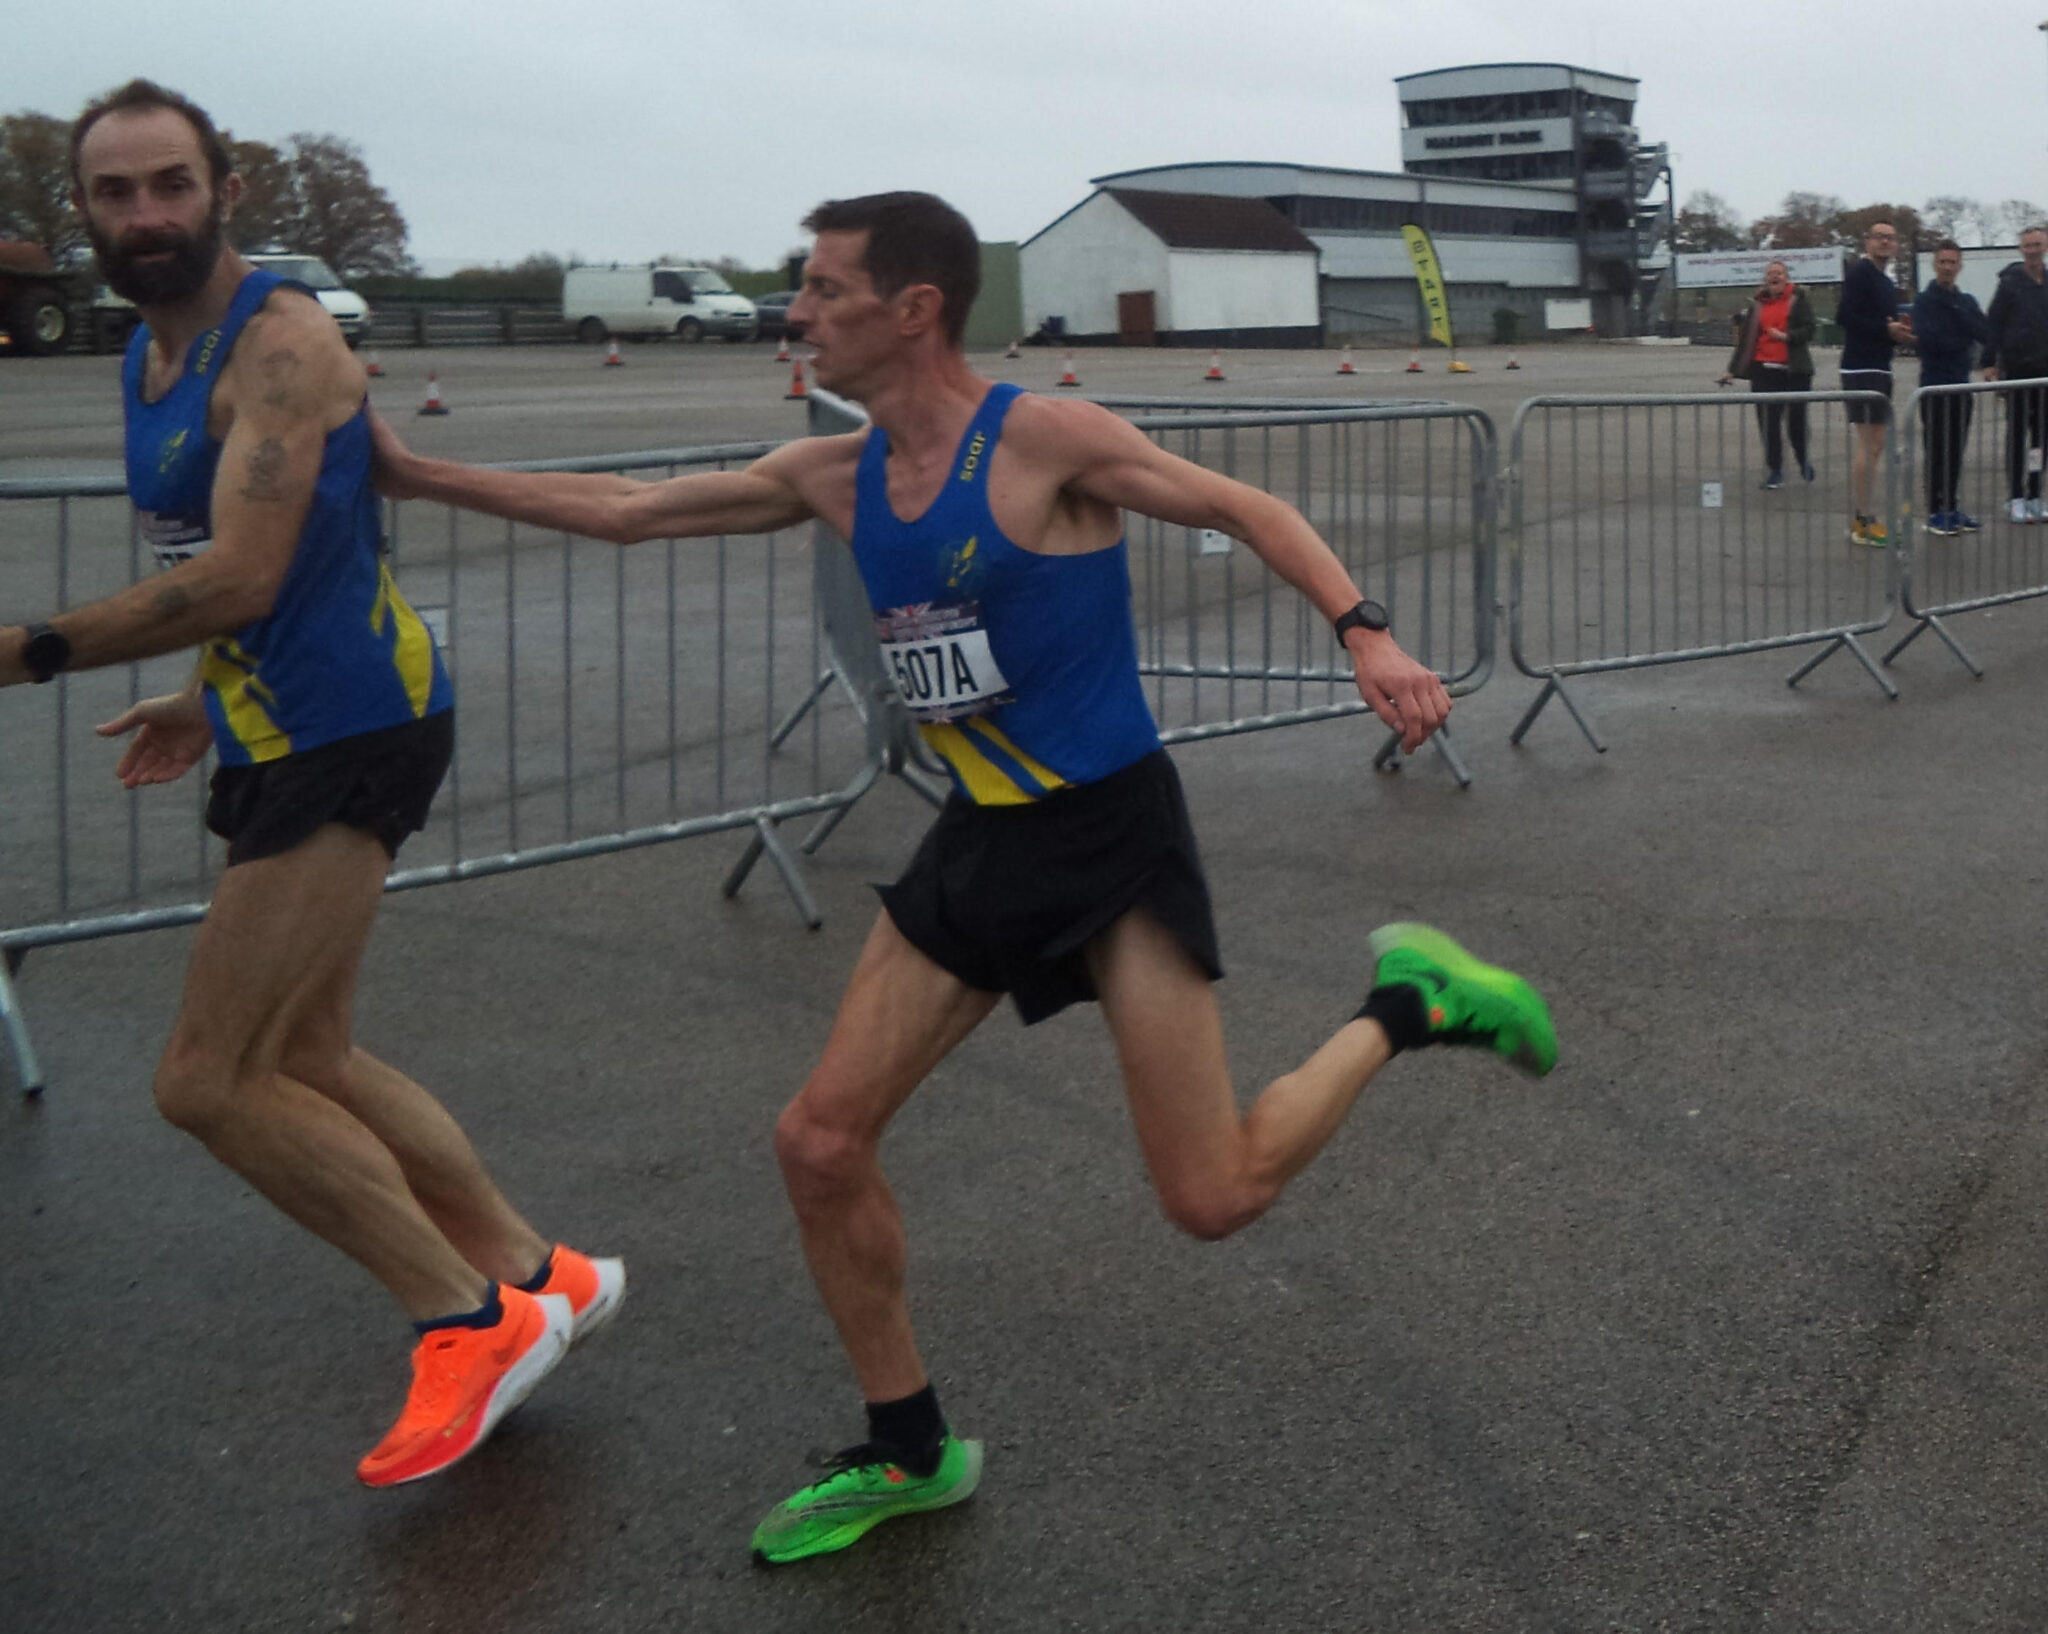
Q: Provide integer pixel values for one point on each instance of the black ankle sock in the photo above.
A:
(911, 1430)
(539, 1279)
(1397, 1007)
(487, 1315)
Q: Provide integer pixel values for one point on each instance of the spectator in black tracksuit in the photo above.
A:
(1869, 315)
(1773, 352)
(1947, 325)
(2018, 350)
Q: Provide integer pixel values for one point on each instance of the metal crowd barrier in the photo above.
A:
(606, 699)
(1978, 449)
(1402, 491)
(1639, 534)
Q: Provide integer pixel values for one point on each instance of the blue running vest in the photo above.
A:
(341, 652)
(1020, 669)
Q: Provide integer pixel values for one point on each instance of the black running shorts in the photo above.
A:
(382, 782)
(1874, 414)
(1008, 897)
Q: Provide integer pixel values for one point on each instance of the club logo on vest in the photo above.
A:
(975, 450)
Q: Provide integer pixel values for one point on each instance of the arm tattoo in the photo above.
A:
(278, 371)
(267, 464)
(171, 602)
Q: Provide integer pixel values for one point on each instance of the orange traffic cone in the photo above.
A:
(1345, 367)
(372, 367)
(1013, 352)
(782, 351)
(1414, 363)
(612, 360)
(1215, 366)
(1068, 377)
(1512, 364)
(796, 381)
(433, 404)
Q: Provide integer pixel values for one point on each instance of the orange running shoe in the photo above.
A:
(593, 1288)
(464, 1380)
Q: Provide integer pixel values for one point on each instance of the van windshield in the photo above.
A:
(706, 282)
(309, 270)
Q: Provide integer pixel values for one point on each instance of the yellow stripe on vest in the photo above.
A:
(244, 700)
(987, 784)
(1048, 778)
(413, 648)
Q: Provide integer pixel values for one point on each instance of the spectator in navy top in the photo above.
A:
(2018, 350)
(1947, 326)
(1871, 326)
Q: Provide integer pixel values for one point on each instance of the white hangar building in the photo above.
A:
(1528, 177)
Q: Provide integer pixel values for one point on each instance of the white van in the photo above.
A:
(348, 308)
(687, 302)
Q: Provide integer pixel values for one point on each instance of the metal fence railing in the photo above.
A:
(434, 324)
(1970, 454)
(1639, 533)
(1403, 492)
(606, 699)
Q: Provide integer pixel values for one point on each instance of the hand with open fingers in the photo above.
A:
(1406, 695)
(388, 460)
(172, 735)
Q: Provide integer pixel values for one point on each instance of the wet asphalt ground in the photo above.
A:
(1734, 1322)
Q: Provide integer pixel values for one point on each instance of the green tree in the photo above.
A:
(35, 186)
(1707, 222)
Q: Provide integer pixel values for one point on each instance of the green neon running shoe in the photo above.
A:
(1464, 1001)
(862, 1490)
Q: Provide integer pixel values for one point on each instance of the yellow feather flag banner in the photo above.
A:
(1431, 279)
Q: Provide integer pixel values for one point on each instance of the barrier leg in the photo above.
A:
(1389, 757)
(1554, 687)
(1927, 621)
(1855, 650)
(790, 721)
(15, 1025)
(766, 839)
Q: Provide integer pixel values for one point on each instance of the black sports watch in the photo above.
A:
(1367, 615)
(44, 653)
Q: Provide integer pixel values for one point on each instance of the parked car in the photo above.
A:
(771, 314)
(348, 308)
(687, 302)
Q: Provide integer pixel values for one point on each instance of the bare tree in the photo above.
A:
(35, 186)
(2017, 215)
(1707, 222)
(1948, 215)
(341, 215)
(1802, 223)
(265, 217)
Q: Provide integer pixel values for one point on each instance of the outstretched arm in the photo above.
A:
(1115, 462)
(596, 505)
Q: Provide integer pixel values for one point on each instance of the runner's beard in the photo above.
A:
(193, 257)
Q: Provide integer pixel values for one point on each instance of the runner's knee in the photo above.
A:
(818, 1156)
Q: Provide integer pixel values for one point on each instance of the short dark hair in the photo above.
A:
(1948, 244)
(143, 96)
(913, 238)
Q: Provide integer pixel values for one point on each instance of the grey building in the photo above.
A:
(1530, 178)
(1552, 125)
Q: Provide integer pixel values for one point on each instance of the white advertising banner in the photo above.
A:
(1724, 269)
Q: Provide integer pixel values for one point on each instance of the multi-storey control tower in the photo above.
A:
(1559, 126)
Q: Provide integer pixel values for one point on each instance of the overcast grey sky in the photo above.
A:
(624, 129)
